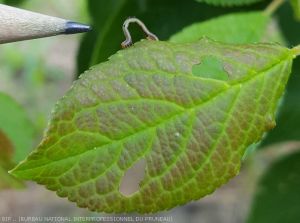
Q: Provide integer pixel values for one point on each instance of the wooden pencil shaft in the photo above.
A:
(18, 24)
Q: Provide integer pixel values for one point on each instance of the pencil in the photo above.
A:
(18, 24)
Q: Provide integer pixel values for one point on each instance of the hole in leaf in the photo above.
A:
(132, 178)
(210, 67)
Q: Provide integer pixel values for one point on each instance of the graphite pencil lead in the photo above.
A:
(75, 27)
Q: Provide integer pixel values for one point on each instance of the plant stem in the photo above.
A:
(296, 50)
(273, 6)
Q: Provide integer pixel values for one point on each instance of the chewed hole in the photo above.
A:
(210, 67)
(132, 178)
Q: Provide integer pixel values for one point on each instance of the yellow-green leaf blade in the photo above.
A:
(146, 103)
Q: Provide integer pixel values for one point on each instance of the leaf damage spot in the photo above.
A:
(132, 178)
(210, 67)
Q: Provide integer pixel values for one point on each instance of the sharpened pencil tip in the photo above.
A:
(75, 27)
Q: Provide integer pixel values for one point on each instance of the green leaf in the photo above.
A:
(15, 124)
(12, 2)
(146, 104)
(296, 8)
(6, 152)
(105, 17)
(277, 197)
(229, 2)
(229, 28)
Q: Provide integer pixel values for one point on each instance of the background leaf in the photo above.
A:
(229, 2)
(229, 28)
(296, 8)
(14, 123)
(12, 2)
(145, 103)
(278, 193)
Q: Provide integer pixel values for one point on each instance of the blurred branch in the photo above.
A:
(273, 6)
